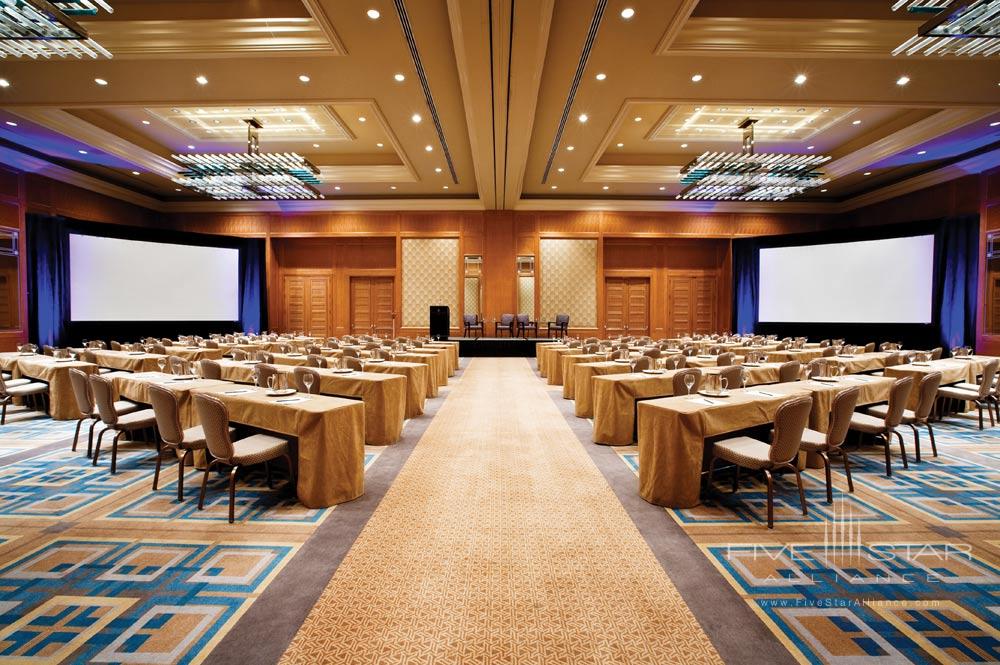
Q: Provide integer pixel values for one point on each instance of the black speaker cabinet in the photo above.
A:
(440, 319)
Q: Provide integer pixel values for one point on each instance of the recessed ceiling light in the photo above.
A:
(555, 186)
(362, 118)
(337, 187)
(696, 78)
(561, 169)
(145, 122)
(429, 148)
(601, 76)
(135, 173)
(902, 80)
(190, 147)
(304, 78)
(392, 187)
(4, 83)
(437, 169)
(620, 145)
(628, 13)
(822, 191)
(684, 145)
(177, 189)
(445, 187)
(583, 117)
(921, 152)
(380, 145)
(399, 77)
(637, 118)
(605, 188)
(416, 117)
(12, 123)
(315, 145)
(810, 147)
(800, 79)
(994, 124)
(570, 148)
(201, 80)
(100, 81)
(867, 173)
(373, 14)
(662, 188)
(856, 122)
(82, 152)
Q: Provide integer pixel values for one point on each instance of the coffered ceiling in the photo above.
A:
(544, 104)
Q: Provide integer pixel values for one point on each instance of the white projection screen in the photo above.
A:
(130, 280)
(871, 281)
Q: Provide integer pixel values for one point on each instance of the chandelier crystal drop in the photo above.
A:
(250, 176)
(747, 176)
(42, 29)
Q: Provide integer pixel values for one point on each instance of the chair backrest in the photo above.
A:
(893, 359)
(936, 352)
(927, 394)
(167, 413)
(643, 362)
(840, 416)
(265, 357)
(562, 319)
(166, 341)
(523, 318)
(678, 380)
(89, 356)
(829, 352)
(469, 319)
(385, 354)
(210, 369)
(103, 393)
(316, 360)
(177, 365)
(299, 373)
(506, 319)
(789, 422)
(352, 362)
(789, 371)
(574, 344)
(986, 380)
(816, 366)
(824, 343)
(652, 353)
(314, 350)
(265, 370)
(48, 350)
(350, 353)
(590, 349)
(158, 348)
(333, 344)
(211, 344)
(732, 375)
(714, 350)
(780, 347)
(870, 347)
(81, 391)
(214, 418)
(591, 340)
(725, 359)
(898, 395)
(116, 346)
(239, 354)
(677, 361)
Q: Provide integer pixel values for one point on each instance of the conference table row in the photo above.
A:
(329, 430)
(671, 430)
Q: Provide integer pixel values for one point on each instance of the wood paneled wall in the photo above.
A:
(989, 221)
(12, 211)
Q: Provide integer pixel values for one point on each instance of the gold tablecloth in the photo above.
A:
(860, 362)
(135, 387)
(553, 365)
(803, 355)
(128, 361)
(290, 359)
(193, 354)
(417, 378)
(62, 403)
(545, 352)
(569, 376)
(952, 371)
(583, 385)
(452, 348)
(8, 360)
(672, 433)
(383, 394)
(440, 366)
(331, 439)
(438, 374)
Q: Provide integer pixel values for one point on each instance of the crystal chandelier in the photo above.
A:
(956, 27)
(746, 176)
(41, 29)
(252, 175)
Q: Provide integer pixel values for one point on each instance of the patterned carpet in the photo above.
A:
(903, 570)
(96, 568)
(500, 541)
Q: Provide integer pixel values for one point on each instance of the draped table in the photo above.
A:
(130, 361)
(569, 376)
(330, 433)
(452, 348)
(135, 386)
(62, 402)
(583, 386)
(194, 353)
(952, 371)
(553, 363)
(801, 355)
(544, 351)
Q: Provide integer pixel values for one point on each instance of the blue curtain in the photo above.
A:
(48, 278)
(746, 260)
(253, 296)
(956, 250)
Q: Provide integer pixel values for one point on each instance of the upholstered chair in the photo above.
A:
(316, 360)
(33, 390)
(927, 392)
(210, 369)
(114, 420)
(678, 381)
(978, 394)
(789, 371)
(884, 427)
(830, 442)
(299, 373)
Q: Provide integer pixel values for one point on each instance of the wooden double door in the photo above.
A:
(693, 304)
(372, 307)
(626, 305)
(307, 303)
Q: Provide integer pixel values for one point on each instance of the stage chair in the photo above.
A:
(472, 324)
(524, 323)
(506, 322)
(560, 325)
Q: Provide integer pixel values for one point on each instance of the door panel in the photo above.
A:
(705, 290)
(679, 292)
(693, 303)
(614, 305)
(361, 305)
(318, 320)
(382, 301)
(294, 295)
(626, 305)
(638, 306)
(372, 305)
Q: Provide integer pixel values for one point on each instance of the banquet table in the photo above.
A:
(8, 360)
(801, 355)
(860, 362)
(569, 376)
(417, 386)
(130, 361)
(383, 394)
(452, 349)
(553, 363)
(194, 354)
(545, 352)
(583, 385)
(330, 432)
(952, 371)
(438, 372)
(291, 359)
(443, 366)
(135, 386)
(62, 403)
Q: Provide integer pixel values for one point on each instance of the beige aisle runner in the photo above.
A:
(500, 541)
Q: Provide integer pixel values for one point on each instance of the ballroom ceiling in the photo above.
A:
(546, 104)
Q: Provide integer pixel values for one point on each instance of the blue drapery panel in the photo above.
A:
(48, 278)
(746, 261)
(49, 282)
(956, 250)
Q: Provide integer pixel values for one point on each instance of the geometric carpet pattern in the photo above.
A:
(905, 569)
(98, 568)
(500, 541)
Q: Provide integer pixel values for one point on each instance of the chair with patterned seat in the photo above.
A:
(560, 326)
(32, 391)
(524, 324)
(789, 371)
(350, 362)
(264, 372)
(679, 381)
(84, 398)
(316, 360)
(725, 359)
(114, 420)
(978, 393)
(472, 324)
(831, 442)
(927, 392)
(299, 374)
(742, 451)
(506, 323)
(210, 369)
(884, 427)
(249, 451)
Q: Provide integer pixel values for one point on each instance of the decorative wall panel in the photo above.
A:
(526, 295)
(472, 305)
(430, 277)
(569, 280)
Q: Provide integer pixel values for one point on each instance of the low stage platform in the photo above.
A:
(497, 347)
